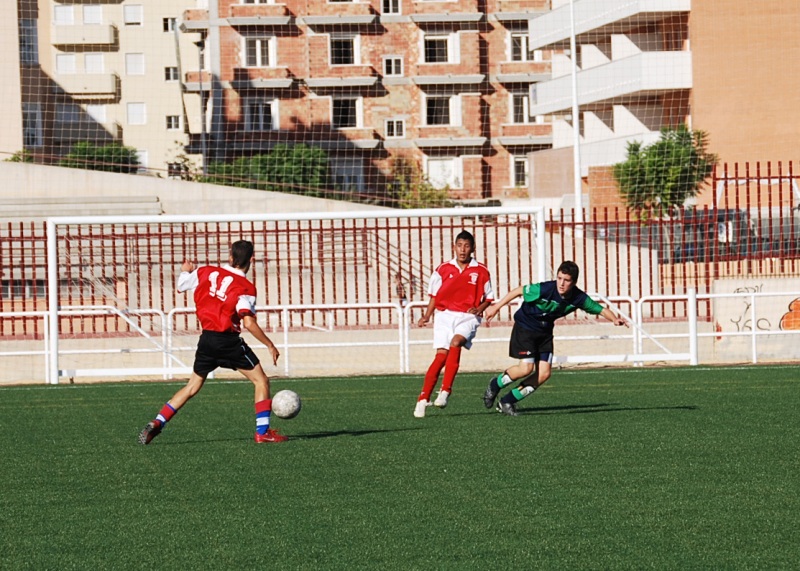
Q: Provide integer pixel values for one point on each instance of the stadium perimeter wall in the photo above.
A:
(30, 192)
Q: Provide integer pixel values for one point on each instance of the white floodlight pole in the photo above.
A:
(576, 123)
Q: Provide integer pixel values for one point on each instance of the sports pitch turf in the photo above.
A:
(607, 469)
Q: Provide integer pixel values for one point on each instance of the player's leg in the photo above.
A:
(521, 345)
(263, 405)
(465, 328)
(442, 334)
(543, 358)
(172, 406)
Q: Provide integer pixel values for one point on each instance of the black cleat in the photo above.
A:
(507, 408)
(149, 432)
(489, 395)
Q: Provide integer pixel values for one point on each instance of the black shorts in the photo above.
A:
(527, 344)
(226, 350)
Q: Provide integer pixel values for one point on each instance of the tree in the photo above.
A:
(113, 157)
(659, 178)
(411, 189)
(300, 169)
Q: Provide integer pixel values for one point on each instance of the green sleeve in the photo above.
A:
(591, 306)
(531, 292)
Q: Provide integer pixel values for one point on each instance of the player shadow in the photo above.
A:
(595, 408)
(336, 433)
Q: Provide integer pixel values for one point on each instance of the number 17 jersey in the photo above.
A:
(222, 296)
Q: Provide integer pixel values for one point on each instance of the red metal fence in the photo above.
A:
(750, 228)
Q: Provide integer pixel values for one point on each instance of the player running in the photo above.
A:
(225, 300)
(532, 335)
(460, 290)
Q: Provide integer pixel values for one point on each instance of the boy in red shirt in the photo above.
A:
(225, 300)
(459, 290)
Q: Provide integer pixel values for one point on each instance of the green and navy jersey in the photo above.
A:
(542, 305)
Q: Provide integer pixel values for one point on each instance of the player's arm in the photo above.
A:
(492, 310)
(613, 318)
(426, 317)
(488, 298)
(250, 323)
(188, 277)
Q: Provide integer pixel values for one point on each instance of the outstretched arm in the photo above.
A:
(613, 318)
(492, 310)
(255, 330)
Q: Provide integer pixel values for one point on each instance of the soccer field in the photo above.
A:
(604, 469)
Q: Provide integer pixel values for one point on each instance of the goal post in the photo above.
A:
(111, 280)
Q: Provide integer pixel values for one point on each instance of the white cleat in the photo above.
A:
(441, 399)
(419, 410)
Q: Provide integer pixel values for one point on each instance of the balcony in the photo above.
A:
(457, 9)
(523, 72)
(648, 73)
(85, 130)
(261, 78)
(516, 11)
(596, 19)
(321, 77)
(89, 35)
(194, 21)
(321, 14)
(194, 80)
(525, 134)
(259, 15)
(83, 86)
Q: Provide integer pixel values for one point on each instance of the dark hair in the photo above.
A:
(241, 254)
(464, 235)
(571, 269)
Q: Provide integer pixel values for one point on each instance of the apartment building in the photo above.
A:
(102, 72)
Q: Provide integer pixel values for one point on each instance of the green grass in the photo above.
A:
(611, 469)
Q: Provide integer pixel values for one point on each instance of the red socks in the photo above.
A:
(451, 368)
(433, 375)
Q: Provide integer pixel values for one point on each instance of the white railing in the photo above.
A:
(686, 340)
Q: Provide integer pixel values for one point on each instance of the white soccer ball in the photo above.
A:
(286, 404)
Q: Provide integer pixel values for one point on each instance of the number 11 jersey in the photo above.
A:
(222, 296)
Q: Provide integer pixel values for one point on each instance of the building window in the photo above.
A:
(137, 114)
(28, 42)
(68, 113)
(259, 115)
(175, 170)
(392, 65)
(169, 24)
(442, 110)
(344, 50)
(32, 125)
(519, 46)
(94, 63)
(519, 172)
(520, 110)
(134, 64)
(171, 73)
(345, 112)
(440, 48)
(133, 14)
(395, 128)
(391, 6)
(348, 175)
(443, 172)
(173, 122)
(63, 15)
(66, 64)
(258, 52)
(92, 15)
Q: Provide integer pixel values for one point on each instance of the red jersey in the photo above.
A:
(222, 296)
(459, 290)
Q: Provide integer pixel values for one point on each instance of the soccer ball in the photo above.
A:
(286, 404)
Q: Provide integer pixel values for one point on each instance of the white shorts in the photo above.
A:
(447, 324)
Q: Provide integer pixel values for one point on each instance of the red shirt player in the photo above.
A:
(225, 300)
(459, 290)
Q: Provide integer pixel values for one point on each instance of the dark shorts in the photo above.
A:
(226, 350)
(527, 344)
